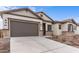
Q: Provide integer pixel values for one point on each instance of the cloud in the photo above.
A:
(32, 8)
(41, 9)
(7, 7)
(76, 19)
(35, 9)
(10, 7)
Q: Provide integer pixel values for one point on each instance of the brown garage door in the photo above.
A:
(23, 29)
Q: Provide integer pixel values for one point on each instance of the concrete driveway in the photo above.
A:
(39, 45)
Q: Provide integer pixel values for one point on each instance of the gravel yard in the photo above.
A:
(69, 40)
(5, 45)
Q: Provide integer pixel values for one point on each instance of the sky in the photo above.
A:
(55, 12)
(58, 13)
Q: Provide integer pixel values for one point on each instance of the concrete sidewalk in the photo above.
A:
(39, 45)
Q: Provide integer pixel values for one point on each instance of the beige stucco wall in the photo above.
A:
(44, 17)
(56, 30)
(49, 33)
(65, 27)
(41, 33)
(77, 30)
(25, 13)
(6, 34)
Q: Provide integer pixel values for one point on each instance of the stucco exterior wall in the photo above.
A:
(49, 33)
(65, 27)
(77, 30)
(56, 30)
(25, 13)
(44, 16)
(6, 34)
(41, 33)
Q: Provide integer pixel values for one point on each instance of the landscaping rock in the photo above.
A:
(68, 38)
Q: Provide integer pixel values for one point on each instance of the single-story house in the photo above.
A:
(25, 22)
(65, 26)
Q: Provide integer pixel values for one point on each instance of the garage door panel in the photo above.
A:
(23, 29)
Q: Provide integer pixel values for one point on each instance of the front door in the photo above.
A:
(44, 29)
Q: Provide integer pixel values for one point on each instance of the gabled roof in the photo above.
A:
(45, 15)
(8, 11)
(65, 21)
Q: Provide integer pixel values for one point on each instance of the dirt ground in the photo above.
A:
(66, 39)
(4, 45)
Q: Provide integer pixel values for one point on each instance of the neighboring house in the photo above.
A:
(65, 26)
(77, 29)
(25, 22)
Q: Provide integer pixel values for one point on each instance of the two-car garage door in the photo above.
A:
(18, 28)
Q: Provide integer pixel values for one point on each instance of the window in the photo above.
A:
(70, 28)
(59, 26)
(49, 28)
(75, 27)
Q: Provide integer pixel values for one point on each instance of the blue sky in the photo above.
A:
(55, 12)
